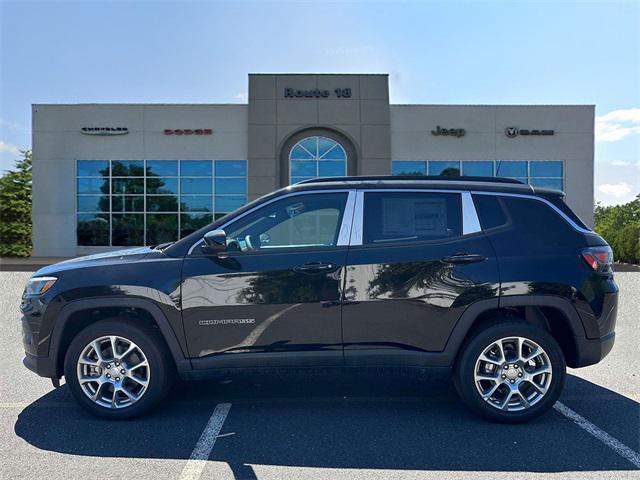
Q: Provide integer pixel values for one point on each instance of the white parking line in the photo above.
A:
(198, 459)
(611, 442)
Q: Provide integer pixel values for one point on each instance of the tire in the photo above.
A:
(528, 393)
(148, 368)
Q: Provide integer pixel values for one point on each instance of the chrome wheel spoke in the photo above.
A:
(104, 380)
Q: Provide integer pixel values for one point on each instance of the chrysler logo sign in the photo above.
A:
(103, 131)
(513, 132)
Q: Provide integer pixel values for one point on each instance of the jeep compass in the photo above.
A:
(497, 281)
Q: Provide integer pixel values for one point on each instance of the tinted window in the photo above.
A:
(410, 217)
(536, 219)
(299, 221)
(490, 211)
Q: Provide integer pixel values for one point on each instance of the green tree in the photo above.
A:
(15, 209)
(619, 225)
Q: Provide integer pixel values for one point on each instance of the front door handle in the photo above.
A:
(464, 258)
(315, 267)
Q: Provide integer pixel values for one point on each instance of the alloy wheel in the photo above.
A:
(513, 374)
(113, 372)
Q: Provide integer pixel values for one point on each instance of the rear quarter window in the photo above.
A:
(534, 225)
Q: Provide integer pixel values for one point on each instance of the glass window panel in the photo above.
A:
(231, 185)
(303, 169)
(196, 168)
(545, 169)
(162, 186)
(127, 203)
(410, 217)
(161, 228)
(195, 186)
(408, 167)
(231, 168)
(229, 203)
(190, 222)
(299, 221)
(92, 203)
(92, 168)
(93, 185)
(311, 145)
(329, 168)
(555, 183)
(127, 186)
(336, 153)
(299, 179)
(195, 203)
(324, 145)
(299, 153)
(93, 229)
(446, 168)
(511, 168)
(162, 168)
(127, 168)
(128, 229)
(477, 169)
(162, 203)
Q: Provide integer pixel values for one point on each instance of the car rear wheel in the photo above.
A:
(511, 372)
(117, 369)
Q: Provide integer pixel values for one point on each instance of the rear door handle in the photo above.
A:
(315, 267)
(464, 258)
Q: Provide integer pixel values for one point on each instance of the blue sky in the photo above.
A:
(452, 52)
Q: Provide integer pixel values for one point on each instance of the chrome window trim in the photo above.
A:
(341, 235)
(347, 220)
(540, 199)
(358, 219)
(470, 220)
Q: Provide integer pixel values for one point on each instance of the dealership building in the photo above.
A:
(108, 176)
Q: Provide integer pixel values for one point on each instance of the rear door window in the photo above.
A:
(397, 217)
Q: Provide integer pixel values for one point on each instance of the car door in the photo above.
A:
(273, 297)
(418, 259)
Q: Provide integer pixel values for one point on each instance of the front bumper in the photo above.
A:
(590, 351)
(34, 342)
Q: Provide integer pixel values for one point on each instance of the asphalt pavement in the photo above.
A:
(323, 423)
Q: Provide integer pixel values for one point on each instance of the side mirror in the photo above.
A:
(215, 241)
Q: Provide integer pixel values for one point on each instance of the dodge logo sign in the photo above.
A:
(188, 131)
(513, 132)
(104, 130)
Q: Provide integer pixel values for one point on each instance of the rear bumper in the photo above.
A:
(591, 350)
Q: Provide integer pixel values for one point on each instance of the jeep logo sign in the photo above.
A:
(513, 132)
(451, 132)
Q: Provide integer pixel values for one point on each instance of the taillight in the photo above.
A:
(600, 259)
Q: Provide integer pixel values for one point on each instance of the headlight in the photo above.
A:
(39, 285)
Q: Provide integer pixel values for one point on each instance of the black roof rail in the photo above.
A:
(439, 178)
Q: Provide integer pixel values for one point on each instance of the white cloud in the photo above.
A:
(9, 148)
(616, 125)
(617, 190)
(242, 97)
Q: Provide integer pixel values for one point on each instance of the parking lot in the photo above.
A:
(323, 423)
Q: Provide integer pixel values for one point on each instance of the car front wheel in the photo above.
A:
(511, 372)
(117, 369)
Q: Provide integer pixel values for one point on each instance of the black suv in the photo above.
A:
(496, 280)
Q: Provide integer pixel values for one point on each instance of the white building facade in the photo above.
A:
(108, 176)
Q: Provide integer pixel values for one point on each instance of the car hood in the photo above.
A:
(106, 258)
